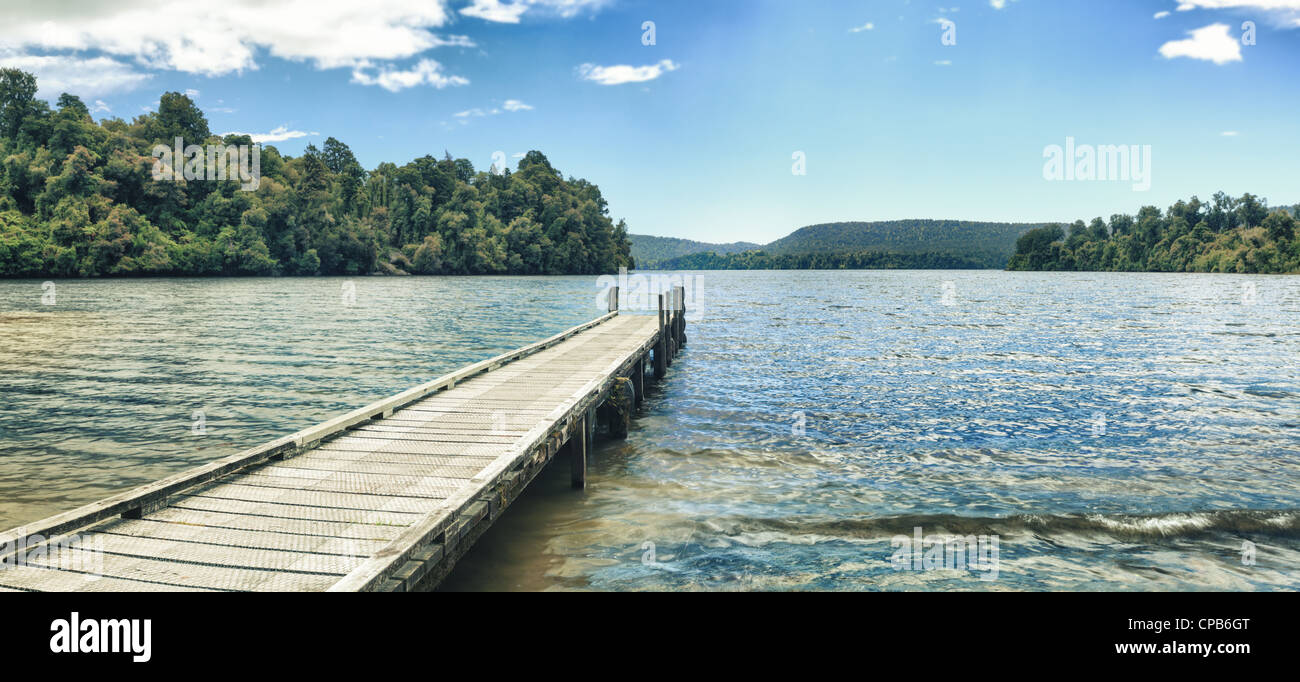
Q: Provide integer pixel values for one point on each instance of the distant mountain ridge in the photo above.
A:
(990, 244)
(648, 250)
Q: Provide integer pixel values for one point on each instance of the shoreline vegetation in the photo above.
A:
(81, 199)
(1227, 235)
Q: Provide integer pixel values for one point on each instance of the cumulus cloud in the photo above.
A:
(1211, 43)
(510, 105)
(392, 79)
(510, 12)
(81, 76)
(865, 27)
(622, 73)
(220, 38)
(1282, 12)
(279, 134)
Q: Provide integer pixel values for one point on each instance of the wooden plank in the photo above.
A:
(219, 521)
(328, 500)
(246, 539)
(36, 579)
(277, 516)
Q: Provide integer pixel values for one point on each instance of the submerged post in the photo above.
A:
(638, 381)
(613, 299)
(578, 453)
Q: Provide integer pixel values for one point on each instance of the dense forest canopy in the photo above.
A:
(650, 251)
(80, 199)
(992, 242)
(917, 244)
(1226, 235)
(849, 260)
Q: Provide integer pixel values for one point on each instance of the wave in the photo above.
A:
(1273, 522)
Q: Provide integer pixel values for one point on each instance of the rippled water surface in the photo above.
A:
(1110, 431)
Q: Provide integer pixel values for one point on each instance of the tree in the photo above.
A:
(17, 100)
(177, 116)
(1279, 226)
(1250, 212)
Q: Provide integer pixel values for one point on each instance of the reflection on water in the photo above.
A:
(1114, 431)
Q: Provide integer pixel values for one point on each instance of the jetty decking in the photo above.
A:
(384, 498)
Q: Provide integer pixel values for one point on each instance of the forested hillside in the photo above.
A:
(650, 251)
(78, 198)
(987, 241)
(857, 260)
(919, 244)
(1226, 235)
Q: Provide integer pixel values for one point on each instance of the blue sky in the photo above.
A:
(694, 135)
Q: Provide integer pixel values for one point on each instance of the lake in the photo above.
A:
(1091, 430)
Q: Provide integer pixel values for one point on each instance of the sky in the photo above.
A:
(726, 120)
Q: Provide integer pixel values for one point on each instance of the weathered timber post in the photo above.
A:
(619, 408)
(681, 325)
(578, 453)
(638, 381)
(670, 323)
(613, 299)
(661, 346)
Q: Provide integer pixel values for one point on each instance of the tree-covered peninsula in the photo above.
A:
(80, 198)
(1226, 235)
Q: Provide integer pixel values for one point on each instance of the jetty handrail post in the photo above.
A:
(661, 345)
(679, 309)
(613, 299)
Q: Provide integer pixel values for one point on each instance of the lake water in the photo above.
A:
(1106, 431)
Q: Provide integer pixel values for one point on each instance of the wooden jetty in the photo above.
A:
(384, 498)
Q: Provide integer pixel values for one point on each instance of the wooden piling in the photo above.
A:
(578, 453)
(661, 346)
(680, 307)
(638, 381)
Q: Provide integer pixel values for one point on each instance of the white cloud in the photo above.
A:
(100, 107)
(1161, 15)
(997, 4)
(510, 105)
(279, 134)
(943, 62)
(426, 72)
(84, 77)
(192, 93)
(509, 12)
(495, 10)
(220, 38)
(1211, 43)
(1229, 133)
(622, 73)
(865, 27)
(1283, 12)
